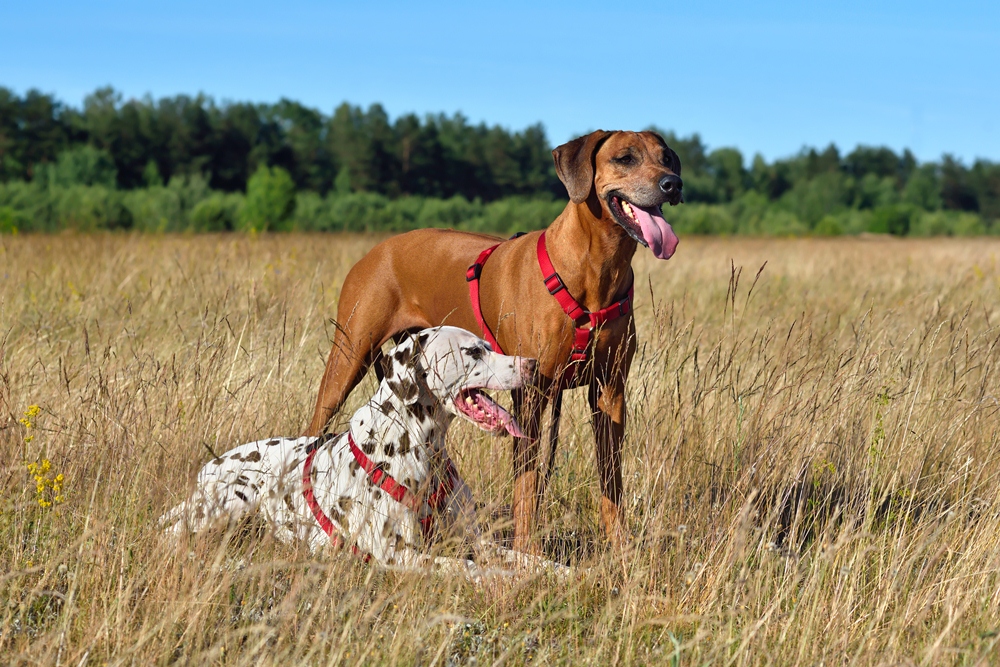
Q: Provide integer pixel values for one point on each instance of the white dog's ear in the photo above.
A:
(402, 369)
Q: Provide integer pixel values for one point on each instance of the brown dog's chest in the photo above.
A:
(528, 321)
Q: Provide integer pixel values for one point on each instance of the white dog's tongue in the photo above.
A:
(657, 231)
(502, 417)
(511, 424)
(489, 415)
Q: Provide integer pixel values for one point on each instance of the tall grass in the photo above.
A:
(811, 464)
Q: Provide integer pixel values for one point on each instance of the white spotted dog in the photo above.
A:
(379, 487)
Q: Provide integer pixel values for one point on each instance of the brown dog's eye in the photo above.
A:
(626, 159)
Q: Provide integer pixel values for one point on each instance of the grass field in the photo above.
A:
(811, 464)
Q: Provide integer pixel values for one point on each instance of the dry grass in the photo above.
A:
(811, 465)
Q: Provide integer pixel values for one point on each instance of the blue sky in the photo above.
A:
(765, 77)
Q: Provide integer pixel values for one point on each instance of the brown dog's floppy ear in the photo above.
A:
(575, 164)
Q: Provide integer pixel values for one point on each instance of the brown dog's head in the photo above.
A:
(631, 174)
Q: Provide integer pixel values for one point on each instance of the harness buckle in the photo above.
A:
(554, 286)
(474, 272)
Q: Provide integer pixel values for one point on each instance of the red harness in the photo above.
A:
(382, 480)
(586, 321)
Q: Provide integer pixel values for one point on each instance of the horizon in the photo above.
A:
(898, 75)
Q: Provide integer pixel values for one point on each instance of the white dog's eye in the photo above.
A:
(475, 352)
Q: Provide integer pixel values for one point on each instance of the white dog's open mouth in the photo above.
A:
(485, 413)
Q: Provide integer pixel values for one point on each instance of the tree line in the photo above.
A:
(190, 163)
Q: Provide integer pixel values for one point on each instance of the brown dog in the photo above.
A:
(617, 182)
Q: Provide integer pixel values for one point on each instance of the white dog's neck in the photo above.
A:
(407, 436)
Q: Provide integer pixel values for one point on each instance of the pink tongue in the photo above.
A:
(500, 415)
(657, 231)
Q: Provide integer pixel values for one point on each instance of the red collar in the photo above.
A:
(378, 478)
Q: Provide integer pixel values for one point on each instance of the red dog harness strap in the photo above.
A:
(472, 277)
(382, 480)
(582, 334)
(310, 496)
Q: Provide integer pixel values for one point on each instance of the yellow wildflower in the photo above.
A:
(29, 415)
(48, 490)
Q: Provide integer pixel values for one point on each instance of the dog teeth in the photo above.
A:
(628, 209)
(468, 400)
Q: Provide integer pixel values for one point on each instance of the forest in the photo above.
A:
(186, 163)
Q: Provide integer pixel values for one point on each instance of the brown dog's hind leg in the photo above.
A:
(366, 318)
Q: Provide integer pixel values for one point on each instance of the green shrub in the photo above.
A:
(270, 200)
(783, 223)
(357, 212)
(219, 212)
(948, 223)
(169, 209)
(828, 226)
(700, 219)
(85, 209)
(10, 220)
(311, 212)
(514, 214)
(156, 209)
(894, 219)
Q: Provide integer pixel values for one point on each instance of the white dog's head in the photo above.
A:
(450, 366)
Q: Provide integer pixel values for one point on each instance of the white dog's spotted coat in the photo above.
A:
(401, 429)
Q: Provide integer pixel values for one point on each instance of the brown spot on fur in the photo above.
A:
(253, 456)
(288, 502)
(389, 449)
(368, 447)
(419, 410)
(272, 443)
(404, 444)
(405, 389)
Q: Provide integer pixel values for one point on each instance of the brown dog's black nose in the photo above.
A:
(529, 367)
(671, 185)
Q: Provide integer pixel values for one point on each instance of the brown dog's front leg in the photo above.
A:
(528, 406)
(607, 403)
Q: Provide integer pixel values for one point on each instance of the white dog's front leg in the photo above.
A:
(411, 561)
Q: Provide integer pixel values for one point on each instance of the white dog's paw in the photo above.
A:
(532, 564)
